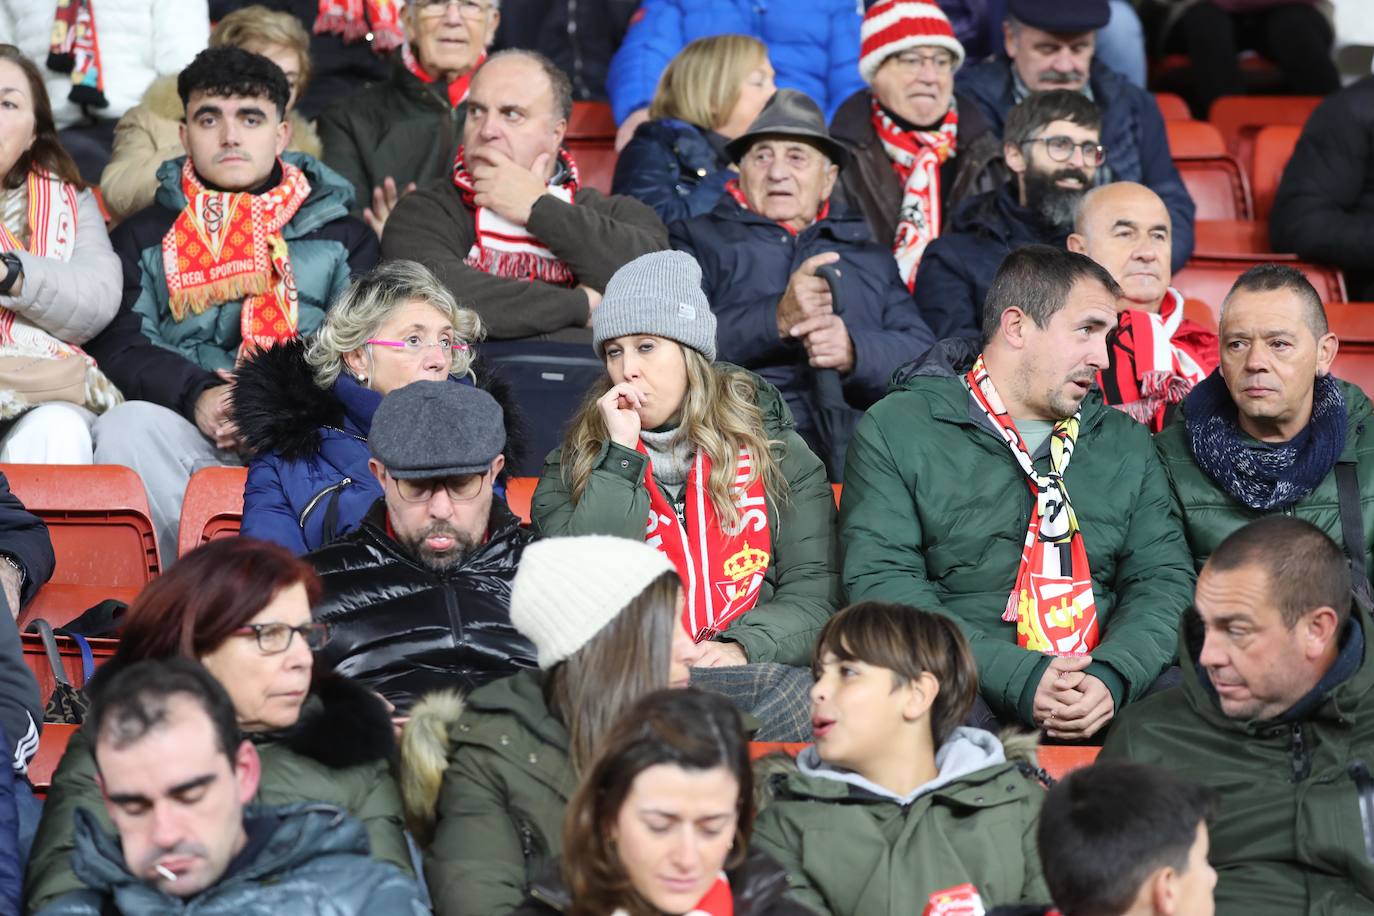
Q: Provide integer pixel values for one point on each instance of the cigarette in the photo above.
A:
(166, 872)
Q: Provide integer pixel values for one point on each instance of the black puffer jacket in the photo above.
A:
(404, 630)
(759, 886)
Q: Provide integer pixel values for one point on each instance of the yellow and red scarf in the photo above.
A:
(916, 158)
(457, 90)
(378, 20)
(73, 48)
(1052, 602)
(227, 246)
(721, 568)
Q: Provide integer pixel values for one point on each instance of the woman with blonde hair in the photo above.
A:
(700, 460)
(304, 408)
(149, 133)
(707, 96)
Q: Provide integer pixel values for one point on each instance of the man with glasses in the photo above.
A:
(1051, 44)
(404, 131)
(418, 597)
(1051, 144)
(916, 148)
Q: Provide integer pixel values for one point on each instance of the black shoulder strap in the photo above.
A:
(1352, 524)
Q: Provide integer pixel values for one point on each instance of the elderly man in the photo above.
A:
(510, 232)
(761, 250)
(993, 486)
(1156, 355)
(916, 148)
(418, 597)
(243, 247)
(177, 778)
(1276, 713)
(1051, 146)
(1050, 44)
(405, 131)
(1273, 431)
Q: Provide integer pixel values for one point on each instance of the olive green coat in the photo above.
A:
(800, 588)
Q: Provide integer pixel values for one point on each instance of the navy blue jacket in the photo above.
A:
(24, 537)
(1132, 132)
(958, 267)
(673, 167)
(308, 481)
(746, 261)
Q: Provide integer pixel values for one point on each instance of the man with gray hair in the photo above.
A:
(418, 597)
(1274, 431)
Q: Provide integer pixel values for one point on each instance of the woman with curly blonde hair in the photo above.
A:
(700, 460)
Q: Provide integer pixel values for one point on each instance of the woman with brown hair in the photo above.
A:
(60, 282)
(242, 608)
(602, 613)
(662, 821)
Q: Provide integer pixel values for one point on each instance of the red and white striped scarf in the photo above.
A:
(354, 19)
(1052, 602)
(74, 48)
(1154, 360)
(457, 90)
(721, 567)
(719, 900)
(504, 249)
(916, 158)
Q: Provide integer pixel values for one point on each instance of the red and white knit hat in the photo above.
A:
(892, 26)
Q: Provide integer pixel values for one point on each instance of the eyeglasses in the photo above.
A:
(460, 487)
(1061, 149)
(414, 346)
(942, 62)
(274, 638)
(468, 9)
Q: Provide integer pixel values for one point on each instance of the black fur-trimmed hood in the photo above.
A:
(279, 408)
(342, 725)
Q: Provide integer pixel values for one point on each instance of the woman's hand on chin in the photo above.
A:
(620, 409)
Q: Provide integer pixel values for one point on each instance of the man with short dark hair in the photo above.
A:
(177, 778)
(1051, 144)
(994, 486)
(1276, 713)
(1050, 44)
(1273, 430)
(418, 596)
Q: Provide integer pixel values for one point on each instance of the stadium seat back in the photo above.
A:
(212, 507)
(1353, 325)
(1239, 118)
(1210, 279)
(591, 140)
(1273, 148)
(1172, 106)
(1217, 185)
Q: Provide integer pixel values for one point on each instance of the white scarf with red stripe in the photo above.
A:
(916, 158)
(51, 217)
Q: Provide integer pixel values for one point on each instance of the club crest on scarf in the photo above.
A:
(1052, 602)
(721, 565)
(916, 157)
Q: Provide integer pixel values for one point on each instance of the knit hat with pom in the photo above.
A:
(892, 26)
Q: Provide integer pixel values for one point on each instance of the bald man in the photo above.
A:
(1156, 355)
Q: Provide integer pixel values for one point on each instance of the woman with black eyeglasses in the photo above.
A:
(242, 608)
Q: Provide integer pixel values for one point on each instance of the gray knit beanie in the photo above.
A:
(568, 589)
(659, 294)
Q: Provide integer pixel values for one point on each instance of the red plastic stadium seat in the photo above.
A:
(1194, 138)
(1240, 117)
(1172, 106)
(591, 140)
(212, 507)
(1225, 238)
(1353, 325)
(1273, 147)
(1210, 279)
(519, 493)
(1058, 761)
(1215, 180)
(51, 746)
(101, 529)
(759, 749)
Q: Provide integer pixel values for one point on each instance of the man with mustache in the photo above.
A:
(1273, 431)
(244, 245)
(993, 486)
(418, 596)
(1156, 355)
(177, 779)
(1051, 144)
(1050, 44)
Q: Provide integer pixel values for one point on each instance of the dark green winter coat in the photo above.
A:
(1289, 839)
(852, 851)
(800, 586)
(935, 512)
(338, 754)
(1209, 513)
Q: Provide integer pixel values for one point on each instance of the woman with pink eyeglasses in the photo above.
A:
(305, 407)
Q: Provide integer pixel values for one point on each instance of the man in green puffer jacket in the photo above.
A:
(936, 505)
(1276, 713)
(176, 778)
(1272, 431)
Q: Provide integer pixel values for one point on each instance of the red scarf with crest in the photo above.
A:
(379, 20)
(1155, 359)
(73, 48)
(916, 158)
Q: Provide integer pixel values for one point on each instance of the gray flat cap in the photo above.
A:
(437, 429)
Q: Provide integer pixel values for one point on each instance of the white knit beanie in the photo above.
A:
(892, 26)
(567, 589)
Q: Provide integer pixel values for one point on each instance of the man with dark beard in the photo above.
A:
(418, 597)
(1051, 146)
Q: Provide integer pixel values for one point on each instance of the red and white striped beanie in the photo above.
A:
(892, 26)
